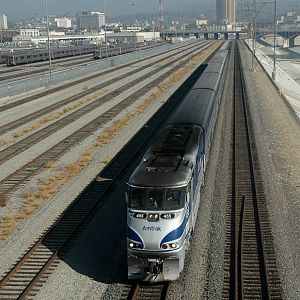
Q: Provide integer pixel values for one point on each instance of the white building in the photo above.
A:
(33, 32)
(131, 29)
(52, 33)
(3, 21)
(201, 22)
(90, 21)
(63, 23)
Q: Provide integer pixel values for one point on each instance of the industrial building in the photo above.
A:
(126, 37)
(89, 21)
(3, 21)
(32, 32)
(225, 12)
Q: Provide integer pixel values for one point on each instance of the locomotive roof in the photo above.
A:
(170, 159)
(195, 109)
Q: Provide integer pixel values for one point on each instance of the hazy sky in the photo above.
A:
(18, 8)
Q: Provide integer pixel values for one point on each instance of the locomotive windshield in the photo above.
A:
(155, 199)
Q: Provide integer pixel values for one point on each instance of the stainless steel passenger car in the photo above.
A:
(114, 50)
(32, 56)
(164, 189)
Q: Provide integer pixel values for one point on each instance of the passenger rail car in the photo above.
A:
(32, 56)
(112, 51)
(164, 190)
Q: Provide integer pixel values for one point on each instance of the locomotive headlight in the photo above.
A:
(169, 246)
(133, 245)
(153, 217)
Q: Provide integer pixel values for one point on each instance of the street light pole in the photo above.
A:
(253, 32)
(105, 34)
(134, 26)
(274, 54)
(49, 48)
(154, 27)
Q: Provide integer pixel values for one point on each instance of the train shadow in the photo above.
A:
(99, 250)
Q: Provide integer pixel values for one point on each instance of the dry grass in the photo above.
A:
(34, 200)
(3, 200)
(49, 165)
(3, 143)
(55, 116)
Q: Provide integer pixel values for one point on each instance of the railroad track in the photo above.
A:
(142, 291)
(22, 175)
(82, 80)
(43, 67)
(29, 274)
(250, 262)
(26, 119)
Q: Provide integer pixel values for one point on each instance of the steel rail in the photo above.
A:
(253, 273)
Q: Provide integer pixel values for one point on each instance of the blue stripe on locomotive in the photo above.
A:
(178, 232)
(132, 235)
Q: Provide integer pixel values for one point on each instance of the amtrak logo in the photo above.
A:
(151, 228)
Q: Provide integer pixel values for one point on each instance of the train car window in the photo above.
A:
(173, 199)
(138, 198)
(22, 57)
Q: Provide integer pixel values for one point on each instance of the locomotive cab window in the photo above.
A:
(173, 199)
(156, 199)
(138, 198)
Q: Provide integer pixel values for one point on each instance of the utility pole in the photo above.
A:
(134, 17)
(161, 17)
(105, 36)
(274, 54)
(253, 32)
(49, 48)
(134, 26)
(154, 27)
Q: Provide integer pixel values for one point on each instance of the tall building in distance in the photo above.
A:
(225, 12)
(89, 20)
(3, 21)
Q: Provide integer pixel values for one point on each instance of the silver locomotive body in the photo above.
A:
(164, 189)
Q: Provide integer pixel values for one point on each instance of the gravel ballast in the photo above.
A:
(277, 135)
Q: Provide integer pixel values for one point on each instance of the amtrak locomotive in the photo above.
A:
(164, 189)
